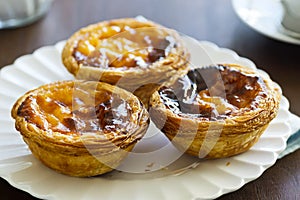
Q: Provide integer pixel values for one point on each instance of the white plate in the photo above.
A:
(184, 179)
(265, 17)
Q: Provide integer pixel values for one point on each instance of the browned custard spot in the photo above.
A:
(123, 46)
(75, 112)
(213, 93)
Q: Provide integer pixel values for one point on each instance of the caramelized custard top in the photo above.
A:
(213, 93)
(74, 110)
(123, 46)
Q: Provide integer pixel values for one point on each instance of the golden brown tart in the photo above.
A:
(80, 128)
(129, 52)
(216, 111)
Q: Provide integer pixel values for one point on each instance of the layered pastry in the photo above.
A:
(80, 128)
(216, 111)
(137, 55)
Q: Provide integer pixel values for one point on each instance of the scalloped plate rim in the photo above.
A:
(244, 180)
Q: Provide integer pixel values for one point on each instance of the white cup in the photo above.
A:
(16, 13)
(291, 17)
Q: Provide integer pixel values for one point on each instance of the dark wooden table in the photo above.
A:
(212, 20)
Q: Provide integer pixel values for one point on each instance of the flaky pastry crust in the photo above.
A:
(80, 128)
(133, 54)
(220, 125)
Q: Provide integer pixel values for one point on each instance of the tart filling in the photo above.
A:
(121, 46)
(230, 92)
(70, 111)
(80, 128)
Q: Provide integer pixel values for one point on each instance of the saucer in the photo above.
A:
(264, 17)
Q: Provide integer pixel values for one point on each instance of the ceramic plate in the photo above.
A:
(187, 178)
(265, 17)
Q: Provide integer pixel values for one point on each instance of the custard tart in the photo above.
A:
(137, 55)
(80, 128)
(216, 111)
